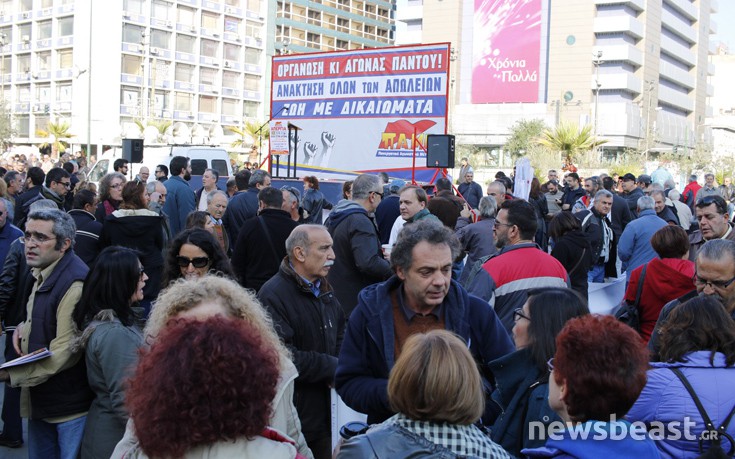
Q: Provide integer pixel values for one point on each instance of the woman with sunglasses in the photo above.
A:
(134, 226)
(314, 201)
(110, 340)
(111, 187)
(192, 254)
(521, 377)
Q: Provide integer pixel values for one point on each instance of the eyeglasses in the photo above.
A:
(518, 315)
(66, 184)
(38, 238)
(497, 223)
(198, 262)
(721, 285)
(550, 364)
(116, 186)
(378, 193)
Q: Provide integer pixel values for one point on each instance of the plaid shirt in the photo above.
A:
(465, 441)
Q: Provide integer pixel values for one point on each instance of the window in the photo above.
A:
(315, 17)
(198, 166)
(207, 76)
(161, 100)
(63, 92)
(252, 56)
(208, 104)
(43, 93)
(132, 34)
(44, 61)
(99, 170)
(209, 20)
(47, 3)
(185, 15)
(254, 6)
(232, 25)
(182, 101)
(24, 93)
(252, 82)
(230, 80)
(184, 73)
(66, 26)
(184, 44)
(342, 44)
(221, 166)
(131, 64)
(232, 3)
(208, 48)
(252, 29)
(26, 5)
(250, 109)
(160, 10)
(133, 6)
(24, 33)
(22, 123)
(44, 29)
(6, 65)
(232, 52)
(230, 107)
(313, 39)
(24, 63)
(129, 97)
(66, 60)
(160, 39)
(343, 25)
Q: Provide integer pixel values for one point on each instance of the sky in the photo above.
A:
(724, 19)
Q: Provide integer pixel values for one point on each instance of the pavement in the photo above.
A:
(9, 453)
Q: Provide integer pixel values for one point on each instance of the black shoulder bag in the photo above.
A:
(628, 313)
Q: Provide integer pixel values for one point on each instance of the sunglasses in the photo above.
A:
(198, 262)
(550, 364)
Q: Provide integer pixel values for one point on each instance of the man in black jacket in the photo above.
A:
(34, 182)
(631, 193)
(309, 319)
(260, 245)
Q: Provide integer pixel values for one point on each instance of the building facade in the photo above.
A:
(101, 66)
(636, 70)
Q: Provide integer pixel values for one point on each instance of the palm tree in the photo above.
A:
(57, 132)
(160, 125)
(569, 140)
(250, 134)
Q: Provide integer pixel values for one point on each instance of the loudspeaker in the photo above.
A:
(132, 150)
(440, 151)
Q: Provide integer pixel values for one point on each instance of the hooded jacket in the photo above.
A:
(368, 349)
(138, 229)
(665, 399)
(597, 444)
(634, 248)
(666, 279)
(359, 259)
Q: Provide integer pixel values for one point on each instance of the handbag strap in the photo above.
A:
(640, 286)
(584, 252)
(709, 425)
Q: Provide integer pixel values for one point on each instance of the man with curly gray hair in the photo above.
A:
(421, 296)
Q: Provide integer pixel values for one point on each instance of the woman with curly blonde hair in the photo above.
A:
(212, 295)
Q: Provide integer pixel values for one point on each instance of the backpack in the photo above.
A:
(713, 434)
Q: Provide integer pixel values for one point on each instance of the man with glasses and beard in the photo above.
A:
(714, 223)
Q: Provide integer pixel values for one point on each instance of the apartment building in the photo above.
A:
(330, 25)
(637, 70)
(104, 65)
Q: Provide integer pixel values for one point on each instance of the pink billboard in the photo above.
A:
(506, 51)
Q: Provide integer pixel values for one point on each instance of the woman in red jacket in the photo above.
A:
(667, 277)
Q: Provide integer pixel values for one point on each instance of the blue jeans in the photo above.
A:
(596, 273)
(55, 441)
(12, 423)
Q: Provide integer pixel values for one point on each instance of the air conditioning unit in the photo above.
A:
(25, 38)
(227, 64)
(193, 28)
(191, 116)
(230, 10)
(169, 24)
(154, 51)
(27, 15)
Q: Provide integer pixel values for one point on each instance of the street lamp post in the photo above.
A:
(597, 60)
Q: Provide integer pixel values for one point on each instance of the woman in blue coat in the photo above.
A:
(698, 339)
(521, 377)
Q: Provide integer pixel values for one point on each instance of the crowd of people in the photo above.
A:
(219, 323)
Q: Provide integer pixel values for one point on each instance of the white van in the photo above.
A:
(202, 157)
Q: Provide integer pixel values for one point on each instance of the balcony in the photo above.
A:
(710, 90)
(624, 52)
(685, 7)
(712, 26)
(625, 24)
(678, 27)
(710, 69)
(675, 98)
(638, 5)
(678, 51)
(619, 81)
(676, 75)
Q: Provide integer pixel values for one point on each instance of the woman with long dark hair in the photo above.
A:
(537, 198)
(521, 377)
(110, 340)
(194, 253)
(572, 248)
(134, 226)
(698, 341)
